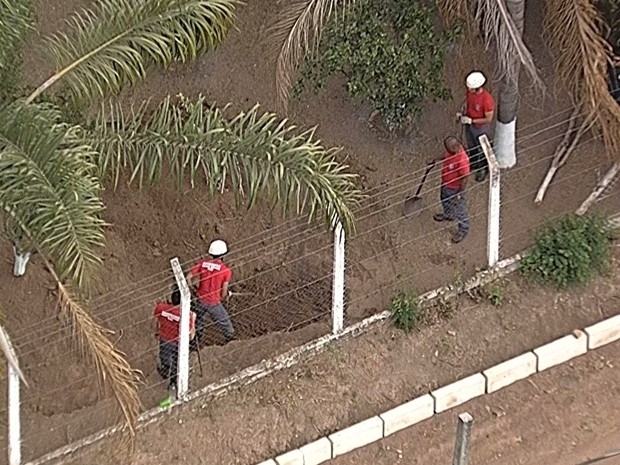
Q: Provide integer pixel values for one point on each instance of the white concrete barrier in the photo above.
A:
(317, 452)
(408, 414)
(510, 371)
(561, 350)
(359, 435)
(459, 392)
(603, 332)
(293, 457)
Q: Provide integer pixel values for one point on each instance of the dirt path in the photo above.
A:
(359, 378)
(561, 417)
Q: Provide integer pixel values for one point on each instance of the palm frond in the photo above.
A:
(49, 184)
(114, 371)
(500, 31)
(114, 43)
(575, 33)
(16, 20)
(256, 153)
(297, 33)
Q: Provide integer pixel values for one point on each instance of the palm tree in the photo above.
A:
(51, 171)
(575, 29)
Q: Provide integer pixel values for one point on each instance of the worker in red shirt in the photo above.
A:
(168, 320)
(477, 119)
(454, 175)
(211, 278)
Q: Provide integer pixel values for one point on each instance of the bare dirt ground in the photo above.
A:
(286, 267)
(359, 378)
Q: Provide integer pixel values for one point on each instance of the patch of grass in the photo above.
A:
(405, 308)
(495, 295)
(569, 251)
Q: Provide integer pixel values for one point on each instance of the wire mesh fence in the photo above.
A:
(283, 289)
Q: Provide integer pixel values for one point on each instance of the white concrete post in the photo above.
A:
(338, 280)
(20, 261)
(463, 440)
(494, 202)
(14, 443)
(14, 376)
(183, 365)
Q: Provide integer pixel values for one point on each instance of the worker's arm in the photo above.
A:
(225, 291)
(192, 325)
(464, 180)
(191, 279)
(488, 118)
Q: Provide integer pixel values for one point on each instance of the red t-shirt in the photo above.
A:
(212, 274)
(455, 167)
(478, 104)
(168, 321)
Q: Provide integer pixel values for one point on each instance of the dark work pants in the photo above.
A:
(477, 159)
(168, 360)
(218, 314)
(455, 207)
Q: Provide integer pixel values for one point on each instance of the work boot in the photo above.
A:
(441, 217)
(481, 175)
(458, 237)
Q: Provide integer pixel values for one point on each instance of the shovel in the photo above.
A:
(414, 205)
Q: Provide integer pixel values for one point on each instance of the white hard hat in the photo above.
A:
(217, 248)
(475, 80)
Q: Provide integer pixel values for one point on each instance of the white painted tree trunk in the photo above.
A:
(505, 129)
(21, 260)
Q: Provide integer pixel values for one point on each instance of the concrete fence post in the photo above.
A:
(463, 439)
(183, 362)
(338, 279)
(494, 202)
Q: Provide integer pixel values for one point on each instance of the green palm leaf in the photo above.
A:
(49, 184)
(114, 43)
(255, 153)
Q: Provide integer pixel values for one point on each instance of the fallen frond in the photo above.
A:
(113, 370)
(297, 33)
(256, 154)
(575, 32)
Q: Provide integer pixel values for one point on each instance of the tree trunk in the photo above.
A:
(505, 129)
(21, 260)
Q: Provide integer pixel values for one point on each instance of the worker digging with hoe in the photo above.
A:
(477, 119)
(168, 322)
(454, 174)
(210, 278)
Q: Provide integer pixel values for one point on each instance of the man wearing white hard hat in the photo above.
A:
(477, 119)
(213, 278)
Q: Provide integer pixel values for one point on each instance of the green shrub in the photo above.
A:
(495, 296)
(391, 54)
(570, 250)
(405, 308)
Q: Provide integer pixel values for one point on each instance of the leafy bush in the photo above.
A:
(405, 308)
(391, 53)
(569, 251)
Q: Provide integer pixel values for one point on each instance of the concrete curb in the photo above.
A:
(491, 380)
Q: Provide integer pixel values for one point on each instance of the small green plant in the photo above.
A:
(569, 251)
(390, 52)
(405, 308)
(495, 296)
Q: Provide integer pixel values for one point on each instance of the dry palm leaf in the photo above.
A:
(498, 30)
(575, 32)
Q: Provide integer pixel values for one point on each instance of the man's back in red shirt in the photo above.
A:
(479, 103)
(212, 275)
(169, 321)
(454, 168)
